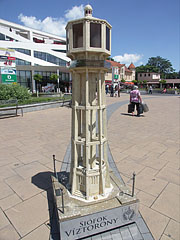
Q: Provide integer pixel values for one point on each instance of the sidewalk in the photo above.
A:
(147, 145)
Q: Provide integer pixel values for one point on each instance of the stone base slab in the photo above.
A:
(79, 218)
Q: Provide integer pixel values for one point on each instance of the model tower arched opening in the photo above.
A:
(88, 46)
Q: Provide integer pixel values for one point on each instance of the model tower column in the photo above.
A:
(88, 46)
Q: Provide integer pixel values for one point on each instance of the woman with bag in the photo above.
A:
(135, 99)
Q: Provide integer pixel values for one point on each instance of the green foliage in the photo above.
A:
(146, 68)
(54, 77)
(13, 91)
(162, 81)
(162, 64)
(135, 81)
(37, 78)
(111, 59)
(123, 81)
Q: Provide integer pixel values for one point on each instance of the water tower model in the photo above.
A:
(88, 46)
(94, 200)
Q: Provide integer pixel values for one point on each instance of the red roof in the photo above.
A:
(131, 66)
(127, 70)
(115, 64)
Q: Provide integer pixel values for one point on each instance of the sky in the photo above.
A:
(141, 29)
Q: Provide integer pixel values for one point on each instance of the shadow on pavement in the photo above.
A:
(43, 181)
(130, 115)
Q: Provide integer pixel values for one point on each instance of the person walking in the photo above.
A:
(119, 91)
(135, 99)
(150, 90)
(112, 91)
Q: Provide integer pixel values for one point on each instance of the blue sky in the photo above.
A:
(140, 29)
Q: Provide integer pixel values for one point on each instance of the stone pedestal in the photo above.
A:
(80, 218)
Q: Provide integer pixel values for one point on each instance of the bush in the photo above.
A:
(12, 91)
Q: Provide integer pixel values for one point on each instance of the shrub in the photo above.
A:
(12, 91)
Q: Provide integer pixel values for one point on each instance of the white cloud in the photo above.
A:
(52, 25)
(128, 58)
(75, 12)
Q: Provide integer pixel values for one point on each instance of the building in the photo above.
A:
(151, 78)
(35, 52)
(120, 72)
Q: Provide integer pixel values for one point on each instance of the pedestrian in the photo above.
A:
(116, 91)
(112, 91)
(150, 90)
(135, 99)
(107, 89)
(119, 91)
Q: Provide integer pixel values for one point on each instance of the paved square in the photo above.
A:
(148, 145)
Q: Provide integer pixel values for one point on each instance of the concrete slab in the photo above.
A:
(29, 214)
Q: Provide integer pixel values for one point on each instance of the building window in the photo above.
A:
(21, 50)
(2, 36)
(140, 75)
(49, 58)
(22, 62)
(78, 35)
(149, 74)
(95, 35)
(107, 38)
(24, 79)
(145, 74)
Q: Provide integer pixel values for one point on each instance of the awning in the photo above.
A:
(131, 83)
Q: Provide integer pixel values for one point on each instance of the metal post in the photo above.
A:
(58, 90)
(62, 195)
(54, 164)
(133, 186)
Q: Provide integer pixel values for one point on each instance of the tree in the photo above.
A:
(164, 66)
(111, 59)
(38, 79)
(162, 82)
(54, 78)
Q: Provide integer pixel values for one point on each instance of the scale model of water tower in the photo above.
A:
(88, 46)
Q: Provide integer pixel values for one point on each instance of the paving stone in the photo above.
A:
(173, 229)
(152, 218)
(145, 198)
(150, 184)
(127, 166)
(25, 189)
(3, 220)
(29, 214)
(5, 172)
(39, 233)
(9, 201)
(31, 169)
(9, 233)
(5, 190)
(169, 174)
(13, 179)
(29, 157)
(165, 237)
(168, 202)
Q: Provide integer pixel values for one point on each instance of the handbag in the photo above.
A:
(130, 108)
(145, 107)
(140, 108)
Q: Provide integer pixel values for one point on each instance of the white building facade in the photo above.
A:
(35, 52)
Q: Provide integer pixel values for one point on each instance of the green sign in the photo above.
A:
(116, 76)
(9, 78)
